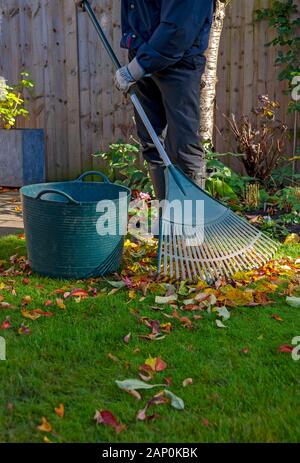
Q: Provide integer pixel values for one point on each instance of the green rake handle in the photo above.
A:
(85, 5)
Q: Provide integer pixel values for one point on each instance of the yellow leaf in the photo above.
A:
(30, 315)
(60, 303)
(47, 441)
(236, 296)
(293, 238)
(45, 426)
(60, 410)
(132, 294)
(151, 362)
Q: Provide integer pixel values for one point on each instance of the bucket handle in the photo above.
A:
(62, 193)
(92, 172)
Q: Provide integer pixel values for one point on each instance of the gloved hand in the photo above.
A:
(128, 75)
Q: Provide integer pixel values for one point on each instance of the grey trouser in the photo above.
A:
(171, 99)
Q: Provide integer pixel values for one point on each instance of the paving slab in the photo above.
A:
(11, 221)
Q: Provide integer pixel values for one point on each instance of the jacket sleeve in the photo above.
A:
(181, 22)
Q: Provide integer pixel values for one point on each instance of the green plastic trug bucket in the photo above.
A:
(62, 227)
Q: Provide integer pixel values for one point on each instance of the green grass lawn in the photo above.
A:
(237, 395)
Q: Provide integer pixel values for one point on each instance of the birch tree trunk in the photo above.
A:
(209, 79)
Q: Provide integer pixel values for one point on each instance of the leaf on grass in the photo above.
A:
(42, 312)
(220, 324)
(24, 330)
(293, 302)
(113, 357)
(117, 284)
(47, 303)
(107, 418)
(285, 348)
(127, 338)
(277, 317)
(6, 324)
(135, 384)
(166, 299)
(60, 303)
(45, 426)
(78, 292)
(156, 363)
(187, 382)
(31, 315)
(223, 312)
(60, 410)
(134, 394)
(26, 300)
(205, 422)
(5, 305)
(176, 402)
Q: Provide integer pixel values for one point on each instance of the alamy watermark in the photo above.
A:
(296, 350)
(2, 348)
(180, 218)
(296, 89)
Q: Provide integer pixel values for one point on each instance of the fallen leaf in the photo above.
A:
(205, 422)
(60, 303)
(60, 410)
(45, 426)
(134, 394)
(285, 348)
(223, 312)
(117, 284)
(166, 299)
(277, 317)
(25, 281)
(176, 402)
(113, 357)
(127, 338)
(187, 382)
(220, 324)
(293, 302)
(79, 293)
(26, 300)
(245, 350)
(24, 330)
(6, 324)
(107, 418)
(31, 315)
(42, 312)
(47, 303)
(135, 384)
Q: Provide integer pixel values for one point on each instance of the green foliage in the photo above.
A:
(122, 166)
(223, 182)
(12, 101)
(284, 18)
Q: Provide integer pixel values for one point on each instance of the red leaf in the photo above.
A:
(41, 312)
(107, 418)
(47, 303)
(285, 348)
(127, 338)
(25, 281)
(205, 422)
(79, 293)
(6, 324)
(160, 364)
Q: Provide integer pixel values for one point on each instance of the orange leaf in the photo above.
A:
(277, 317)
(30, 315)
(45, 426)
(60, 410)
(60, 303)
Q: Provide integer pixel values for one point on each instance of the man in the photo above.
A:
(166, 40)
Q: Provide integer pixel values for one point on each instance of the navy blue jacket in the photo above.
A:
(165, 32)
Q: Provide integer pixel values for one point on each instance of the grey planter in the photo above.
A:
(22, 157)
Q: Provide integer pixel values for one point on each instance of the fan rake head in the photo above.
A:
(210, 245)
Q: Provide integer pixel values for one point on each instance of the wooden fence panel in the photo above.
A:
(75, 101)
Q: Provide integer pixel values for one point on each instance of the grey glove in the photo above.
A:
(127, 75)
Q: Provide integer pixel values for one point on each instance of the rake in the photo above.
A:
(199, 238)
